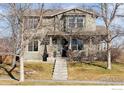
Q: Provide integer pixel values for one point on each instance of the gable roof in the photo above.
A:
(57, 12)
(54, 12)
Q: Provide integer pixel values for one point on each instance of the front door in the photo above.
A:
(64, 47)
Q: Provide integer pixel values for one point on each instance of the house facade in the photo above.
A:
(73, 29)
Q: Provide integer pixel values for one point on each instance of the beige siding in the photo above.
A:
(90, 23)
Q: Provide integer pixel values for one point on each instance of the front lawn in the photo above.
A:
(37, 71)
(95, 71)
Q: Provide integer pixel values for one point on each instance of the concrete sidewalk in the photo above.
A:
(60, 70)
(81, 82)
(73, 81)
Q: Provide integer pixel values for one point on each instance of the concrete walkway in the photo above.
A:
(60, 70)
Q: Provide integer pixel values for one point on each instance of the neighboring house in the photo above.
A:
(74, 29)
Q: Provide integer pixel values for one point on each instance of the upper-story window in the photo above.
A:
(31, 22)
(75, 21)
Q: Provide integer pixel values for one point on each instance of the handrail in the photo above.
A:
(53, 66)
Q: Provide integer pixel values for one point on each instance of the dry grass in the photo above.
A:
(96, 71)
(8, 82)
(38, 71)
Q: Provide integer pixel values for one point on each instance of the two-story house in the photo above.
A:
(74, 29)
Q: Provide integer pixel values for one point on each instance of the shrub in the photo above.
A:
(102, 56)
(115, 53)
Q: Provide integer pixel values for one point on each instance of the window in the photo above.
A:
(31, 22)
(74, 41)
(79, 21)
(33, 46)
(71, 22)
(75, 21)
(77, 44)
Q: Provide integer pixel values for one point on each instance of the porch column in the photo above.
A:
(90, 42)
(101, 46)
(105, 46)
(59, 44)
(90, 46)
(70, 43)
(77, 44)
(51, 42)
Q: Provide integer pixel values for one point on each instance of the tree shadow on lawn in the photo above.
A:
(9, 72)
(96, 64)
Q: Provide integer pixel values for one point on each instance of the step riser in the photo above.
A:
(60, 68)
(60, 72)
(59, 77)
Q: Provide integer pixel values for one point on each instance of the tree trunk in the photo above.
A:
(21, 69)
(109, 56)
(14, 61)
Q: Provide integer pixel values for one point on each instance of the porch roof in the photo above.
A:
(100, 30)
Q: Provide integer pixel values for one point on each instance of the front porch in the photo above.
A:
(88, 45)
(60, 44)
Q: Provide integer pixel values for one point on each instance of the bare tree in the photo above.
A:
(108, 14)
(21, 36)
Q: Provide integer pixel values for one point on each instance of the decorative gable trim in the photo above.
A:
(62, 12)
